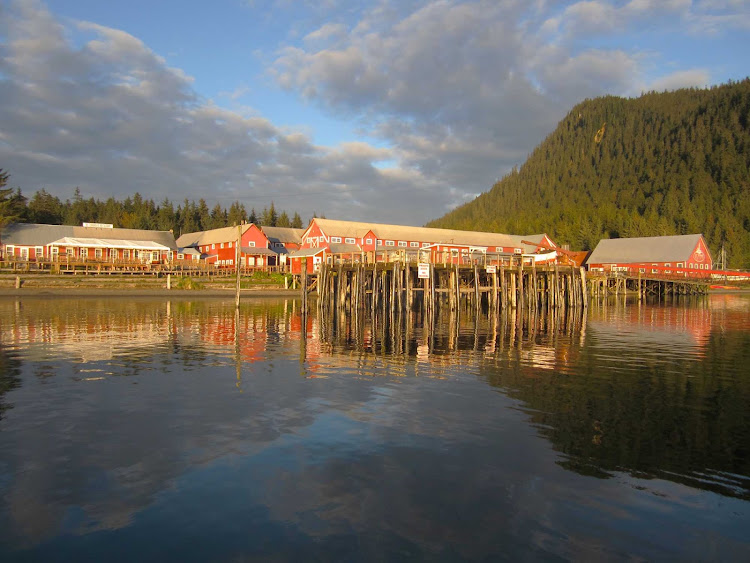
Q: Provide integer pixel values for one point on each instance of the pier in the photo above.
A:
(394, 287)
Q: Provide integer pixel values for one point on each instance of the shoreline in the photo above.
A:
(146, 292)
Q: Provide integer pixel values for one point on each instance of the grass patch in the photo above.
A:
(187, 283)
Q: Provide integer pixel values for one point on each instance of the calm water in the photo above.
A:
(150, 431)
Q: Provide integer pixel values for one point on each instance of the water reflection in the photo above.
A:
(283, 436)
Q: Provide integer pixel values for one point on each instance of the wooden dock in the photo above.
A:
(396, 286)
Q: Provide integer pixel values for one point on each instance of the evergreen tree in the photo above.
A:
(45, 208)
(662, 164)
(283, 220)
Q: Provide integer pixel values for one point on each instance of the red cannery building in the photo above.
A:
(219, 246)
(684, 255)
(89, 242)
(375, 242)
(260, 247)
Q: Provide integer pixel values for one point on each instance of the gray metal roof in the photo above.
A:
(34, 234)
(424, 234)
(644, 249)
(214, 236)
(344, 249)
(258, 251)
(302, 252)
(283, 234)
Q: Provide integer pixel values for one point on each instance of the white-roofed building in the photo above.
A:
(37, 242)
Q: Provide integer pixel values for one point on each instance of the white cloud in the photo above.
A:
(112, 118)
(698, 78)
(458, 92)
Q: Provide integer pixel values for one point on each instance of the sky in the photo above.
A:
(380, 110)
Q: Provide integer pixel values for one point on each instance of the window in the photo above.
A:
(425, 244)
(155, 256)
(380, 242)
(213, 246)
(309, 240)
(222, 245)
(229, 244)
(349, 241)
(55, 252)
(97, 253)
(126, 254)
(368, 241)
(335, 239)
(680, 264)
(518, 251)
(414, 244)
(113, 254)
(39, 251)
(10, 250)
(389, 243)
(251, 244)
(402, 243)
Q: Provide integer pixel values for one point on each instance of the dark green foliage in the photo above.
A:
(134, 212)
(12, 203)
(665, 163)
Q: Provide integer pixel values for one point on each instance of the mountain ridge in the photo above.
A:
(660, 164)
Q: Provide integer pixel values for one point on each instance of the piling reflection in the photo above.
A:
(636, 388)
(142, 399)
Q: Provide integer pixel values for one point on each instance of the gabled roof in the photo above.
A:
(213, 236)
(424, 234)
(34, 234)
(644, 249)
(283, 234)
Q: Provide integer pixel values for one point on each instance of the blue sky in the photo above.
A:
(390, 111)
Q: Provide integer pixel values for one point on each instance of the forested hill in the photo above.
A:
(664, 163)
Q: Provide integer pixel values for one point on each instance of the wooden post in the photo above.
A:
(304, 288)
(237, 253)
(18, 282)
(520, 282)
(169, 281)
(584, 296)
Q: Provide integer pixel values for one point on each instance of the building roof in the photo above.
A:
(87, 242)
(424, 234)
(302, 252)
(213, 236)
(258, 251)
(285, 235)
(189, 250)
(644, 249)
(34, 234)
(343, 248)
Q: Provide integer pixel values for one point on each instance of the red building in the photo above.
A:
(94, 242)
(686, 255)
(219, 246)
(375, 242)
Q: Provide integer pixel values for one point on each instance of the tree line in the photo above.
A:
(661, 164)
(135, 212)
